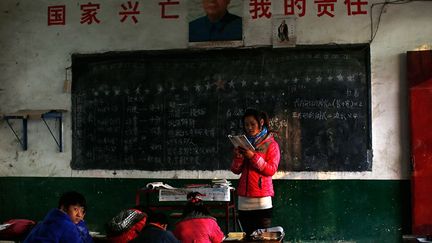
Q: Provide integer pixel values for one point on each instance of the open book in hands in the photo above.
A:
(241, 141)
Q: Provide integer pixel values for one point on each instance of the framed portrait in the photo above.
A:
(284, 31)
(215, 23)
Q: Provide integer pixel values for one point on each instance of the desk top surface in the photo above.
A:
(254, 241)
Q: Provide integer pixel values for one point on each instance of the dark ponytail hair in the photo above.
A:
(258, 115)
(195, 205)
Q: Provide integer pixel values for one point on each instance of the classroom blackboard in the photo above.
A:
(173, 110)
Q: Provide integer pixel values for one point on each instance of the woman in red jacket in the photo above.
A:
(196, 224)
(255, 188)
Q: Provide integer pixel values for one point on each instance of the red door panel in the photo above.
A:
(419, 73)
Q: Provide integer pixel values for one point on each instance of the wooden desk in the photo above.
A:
(254, 241)
(227, 206)
(100, 239)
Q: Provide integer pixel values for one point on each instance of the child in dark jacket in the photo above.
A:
(64, 224)
(156, 230)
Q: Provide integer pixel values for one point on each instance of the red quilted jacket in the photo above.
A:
(198, 230)
(256, 173)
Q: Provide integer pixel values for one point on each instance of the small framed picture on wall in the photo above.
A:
(284, 31)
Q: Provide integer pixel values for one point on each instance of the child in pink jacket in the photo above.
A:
(196, 224)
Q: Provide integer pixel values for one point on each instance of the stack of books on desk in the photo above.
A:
(235, 236)
(221, 183)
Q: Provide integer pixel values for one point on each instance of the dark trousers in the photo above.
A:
(255, 219)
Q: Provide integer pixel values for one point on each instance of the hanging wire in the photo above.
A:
(383, 5)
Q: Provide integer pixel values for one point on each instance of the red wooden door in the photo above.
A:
(419, 71)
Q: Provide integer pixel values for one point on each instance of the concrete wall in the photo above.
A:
(34, 56)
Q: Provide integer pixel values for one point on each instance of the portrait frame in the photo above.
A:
(284, 31)
(233, 36)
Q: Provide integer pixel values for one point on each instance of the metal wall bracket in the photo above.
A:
(25, 115)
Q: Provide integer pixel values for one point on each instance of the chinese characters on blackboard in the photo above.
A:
(173, 111)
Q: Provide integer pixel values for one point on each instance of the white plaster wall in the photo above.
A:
(33, 58)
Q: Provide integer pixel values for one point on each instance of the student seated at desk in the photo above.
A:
(196, 224)
(156, 230)
(64, 224)
(126, 225)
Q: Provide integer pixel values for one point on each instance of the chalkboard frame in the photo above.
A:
(81, 62)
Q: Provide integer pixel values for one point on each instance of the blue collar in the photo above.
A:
(255, 139)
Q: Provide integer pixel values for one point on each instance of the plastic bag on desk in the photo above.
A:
(273, 233)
